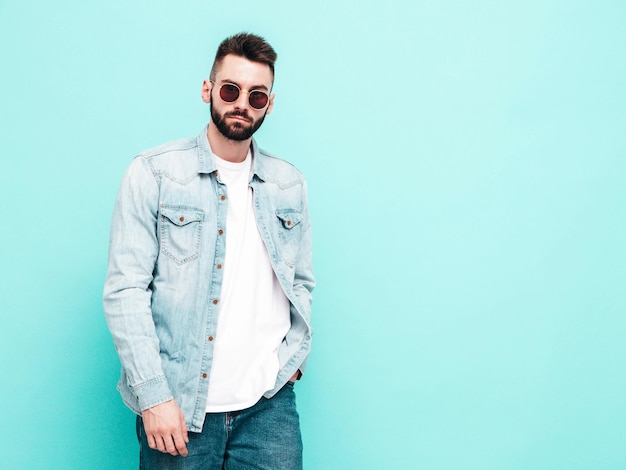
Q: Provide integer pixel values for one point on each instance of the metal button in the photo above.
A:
(182, 219)
(220, 232)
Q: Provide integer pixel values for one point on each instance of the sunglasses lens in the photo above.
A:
(258, 99)
(229, 93)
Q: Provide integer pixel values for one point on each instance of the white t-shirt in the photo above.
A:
(254, 314)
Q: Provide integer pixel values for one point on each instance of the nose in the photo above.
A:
(242, 100)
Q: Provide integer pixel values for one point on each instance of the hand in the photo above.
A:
(165, 427)
(295, 376)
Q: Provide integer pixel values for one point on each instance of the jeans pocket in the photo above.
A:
(181, 229)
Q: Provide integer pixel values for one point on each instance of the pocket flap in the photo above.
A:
(182, 215)
(289, 217)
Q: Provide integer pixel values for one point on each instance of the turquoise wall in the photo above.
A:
(466, 163)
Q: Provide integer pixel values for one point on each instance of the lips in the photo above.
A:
(239, 117)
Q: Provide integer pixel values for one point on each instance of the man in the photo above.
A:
(209, 283)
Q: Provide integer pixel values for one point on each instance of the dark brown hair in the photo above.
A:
(250, 46)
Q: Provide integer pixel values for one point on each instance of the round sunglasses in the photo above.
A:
(229, 92)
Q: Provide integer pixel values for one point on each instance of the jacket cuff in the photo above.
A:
(152, 393)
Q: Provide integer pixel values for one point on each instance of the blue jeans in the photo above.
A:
(265, 436)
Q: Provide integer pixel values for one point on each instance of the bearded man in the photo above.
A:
(208, 290)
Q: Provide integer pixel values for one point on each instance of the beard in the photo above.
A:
(238, 130)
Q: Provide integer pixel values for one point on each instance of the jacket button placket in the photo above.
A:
(220, 244)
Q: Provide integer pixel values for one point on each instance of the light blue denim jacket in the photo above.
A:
(166, 256)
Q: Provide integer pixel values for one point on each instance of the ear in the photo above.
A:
(271, 105)
(207, 86)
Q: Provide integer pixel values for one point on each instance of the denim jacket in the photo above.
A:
(166, 255)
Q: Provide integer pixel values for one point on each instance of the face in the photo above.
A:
(238, 120)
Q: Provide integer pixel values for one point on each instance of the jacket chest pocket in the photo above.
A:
(181, 229)
(289, 233)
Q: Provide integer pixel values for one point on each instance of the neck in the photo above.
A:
(230, 150)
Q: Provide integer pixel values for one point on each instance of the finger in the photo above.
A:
(184, 428)
(179, 442)
(159, 444)
(170, 446)
(152, 442)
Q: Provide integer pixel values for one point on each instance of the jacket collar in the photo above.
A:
(206, 158)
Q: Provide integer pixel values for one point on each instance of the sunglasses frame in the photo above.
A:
(240, 91)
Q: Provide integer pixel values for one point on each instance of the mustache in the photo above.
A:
(243, 114)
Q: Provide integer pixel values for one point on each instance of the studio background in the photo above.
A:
(466, 165)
